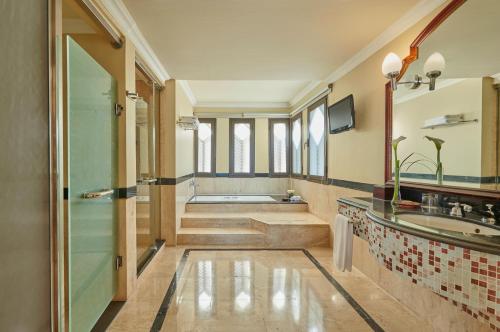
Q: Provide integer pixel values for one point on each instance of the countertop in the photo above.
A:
(382, 212)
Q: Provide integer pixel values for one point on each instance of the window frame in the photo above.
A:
(271, 123)
(310, 109)
(213, 147)
(298, 116)
(232, 123)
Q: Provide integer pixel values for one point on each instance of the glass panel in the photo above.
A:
(143, 132)
(279, 147)
(296, 147)
(317, 142)
(92, 167)
(205, 147)
(147, 224)
(242, 148)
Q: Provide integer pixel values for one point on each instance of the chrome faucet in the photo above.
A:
(491, 215)
(194, 185)
(455, 211)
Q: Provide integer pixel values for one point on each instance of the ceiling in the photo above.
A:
(272, 93)
(290, 43)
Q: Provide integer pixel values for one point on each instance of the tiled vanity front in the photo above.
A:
(467, 278)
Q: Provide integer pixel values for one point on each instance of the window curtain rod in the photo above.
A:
(100, 19)
(325, 92)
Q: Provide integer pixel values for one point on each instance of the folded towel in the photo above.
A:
(295, 198)
(342, 246)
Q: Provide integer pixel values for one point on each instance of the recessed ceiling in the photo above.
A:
(260, 40)
(245, 92)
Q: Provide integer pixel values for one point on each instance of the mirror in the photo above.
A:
(462, 111)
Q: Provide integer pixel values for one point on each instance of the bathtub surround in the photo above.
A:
(269, 224)
(464, 280)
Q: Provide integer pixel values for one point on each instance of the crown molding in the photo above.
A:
(415, 14)
(243, 105)
(187, 90)
(304, 92)
(129, 28)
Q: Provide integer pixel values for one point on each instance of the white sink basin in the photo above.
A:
(447, 224)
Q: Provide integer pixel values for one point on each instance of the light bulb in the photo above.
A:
(434, 63)
(392, 65)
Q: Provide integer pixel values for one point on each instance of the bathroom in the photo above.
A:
(253, 166)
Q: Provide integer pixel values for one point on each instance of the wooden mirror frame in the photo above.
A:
(412, 57)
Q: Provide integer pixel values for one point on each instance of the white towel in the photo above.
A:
(342, 246)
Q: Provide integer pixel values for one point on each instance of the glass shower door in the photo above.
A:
(148, 194)
(92, 175)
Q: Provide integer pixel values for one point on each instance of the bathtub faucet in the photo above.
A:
(193, 184)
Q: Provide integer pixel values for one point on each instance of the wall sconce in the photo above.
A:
(433, 67)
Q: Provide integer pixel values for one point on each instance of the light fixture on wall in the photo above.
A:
(433, 67)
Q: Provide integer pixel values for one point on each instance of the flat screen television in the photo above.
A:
(341, 115)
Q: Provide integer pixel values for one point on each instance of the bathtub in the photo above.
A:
(232, 199)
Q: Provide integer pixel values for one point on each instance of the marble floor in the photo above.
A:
(258, 290)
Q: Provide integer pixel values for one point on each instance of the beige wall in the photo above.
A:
(222, 146)
(183, 138)
(358, 155)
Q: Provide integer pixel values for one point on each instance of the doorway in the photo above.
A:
(147, 210)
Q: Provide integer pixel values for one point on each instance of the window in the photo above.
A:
(204, 150)
(296, 149)
(278, 147)
(317, 140)
(241, 147)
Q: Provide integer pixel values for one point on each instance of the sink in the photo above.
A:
(447, 224)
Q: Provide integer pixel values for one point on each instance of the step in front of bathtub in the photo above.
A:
(247, 207)
(193, 221)
(220, 236)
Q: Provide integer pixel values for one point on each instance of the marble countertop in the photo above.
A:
(383, 213)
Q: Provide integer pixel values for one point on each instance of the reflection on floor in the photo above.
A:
(142, 249)
(258, 290)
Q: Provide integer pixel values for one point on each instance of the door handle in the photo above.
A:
(98, 194)
(147, 180)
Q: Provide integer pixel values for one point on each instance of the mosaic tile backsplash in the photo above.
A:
(469, 279)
